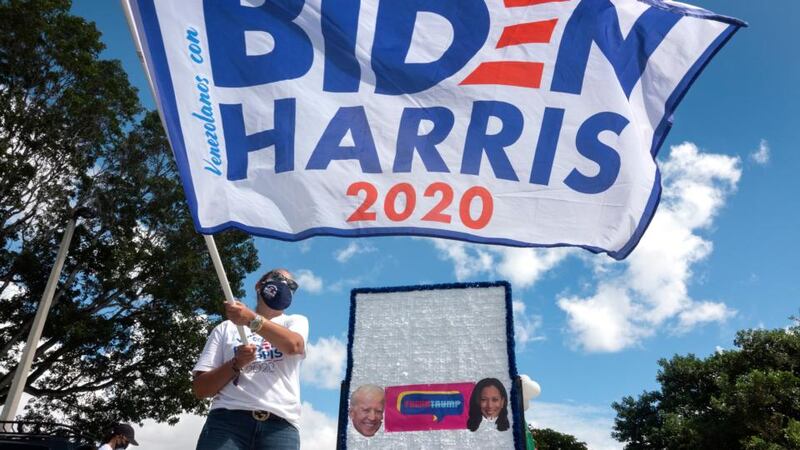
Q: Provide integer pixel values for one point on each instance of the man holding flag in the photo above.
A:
(255, 385)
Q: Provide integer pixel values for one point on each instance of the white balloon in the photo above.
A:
(530, 390)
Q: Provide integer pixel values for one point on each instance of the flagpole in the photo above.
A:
(24, 366)
(212, 246)
(223, 278)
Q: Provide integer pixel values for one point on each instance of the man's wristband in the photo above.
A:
(236, 370)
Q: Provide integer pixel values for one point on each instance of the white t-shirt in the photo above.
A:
(270, 383)
(105, 447)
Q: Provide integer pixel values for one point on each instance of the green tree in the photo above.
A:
(746, 398)
(549, 439)
(138, 294)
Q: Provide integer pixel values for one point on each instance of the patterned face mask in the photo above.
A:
(276, 294)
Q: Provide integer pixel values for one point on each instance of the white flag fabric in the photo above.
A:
(514, 122)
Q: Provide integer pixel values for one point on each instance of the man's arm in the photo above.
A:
(208, 384)
(285, 339)
(288, 341)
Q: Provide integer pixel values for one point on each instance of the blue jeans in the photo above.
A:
(237, 430)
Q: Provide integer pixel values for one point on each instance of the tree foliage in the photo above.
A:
(138, 293)
(746, 398)
(549, 439)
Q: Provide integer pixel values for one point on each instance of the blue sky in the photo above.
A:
(719, 257)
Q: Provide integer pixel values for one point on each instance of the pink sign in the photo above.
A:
(422, 407)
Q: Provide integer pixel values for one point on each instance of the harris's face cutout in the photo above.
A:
(491, 401)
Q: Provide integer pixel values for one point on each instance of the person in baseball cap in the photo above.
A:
(118, 437)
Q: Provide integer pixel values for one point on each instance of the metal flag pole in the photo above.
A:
(21, 375)
(212, 246)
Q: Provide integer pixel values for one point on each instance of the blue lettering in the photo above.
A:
(204, 118)
(353, 119)
(546, 147)
(596, 21)
(194, 47)
(477, 141)
(339, 28)
(589, 145)
(226, 24)
(408, 138)
(195, 53)
(191, 35)
(239, 144)
(207, 116)
(204, 97)
(393, 32)
(211, 168)
(214, 152)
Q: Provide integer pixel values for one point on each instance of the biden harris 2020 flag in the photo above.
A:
(516, 122)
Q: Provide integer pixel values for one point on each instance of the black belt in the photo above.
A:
(263, 416)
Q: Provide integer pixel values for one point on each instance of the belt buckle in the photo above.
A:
(261, 416)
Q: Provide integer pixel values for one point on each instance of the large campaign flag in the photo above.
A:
(516, 122)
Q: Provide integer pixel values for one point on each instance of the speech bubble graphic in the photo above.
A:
(425, 407)
(437, 404)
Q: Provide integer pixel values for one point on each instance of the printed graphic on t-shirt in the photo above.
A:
(266, 356)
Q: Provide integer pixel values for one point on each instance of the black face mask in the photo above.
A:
(277, 295)
(122, 446)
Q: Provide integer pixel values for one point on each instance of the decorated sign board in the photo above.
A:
(515, 122)
(431, 367)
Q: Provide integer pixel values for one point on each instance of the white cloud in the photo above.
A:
(590, 424)
(324, 363)
(317, 430)
(468, 260)
(651, 288)
(521, 266)
(352, 249)
(162, 436)
(346, 283)
(604, 322)
(304, 246)
(761, 156)
(308, 281)
(526, 328)
(703, 312)
(524, 266)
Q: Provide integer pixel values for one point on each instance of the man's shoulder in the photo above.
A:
(224, 327)
(296, 318)
(290, 320)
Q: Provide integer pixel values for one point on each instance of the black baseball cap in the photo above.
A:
(125, 430)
